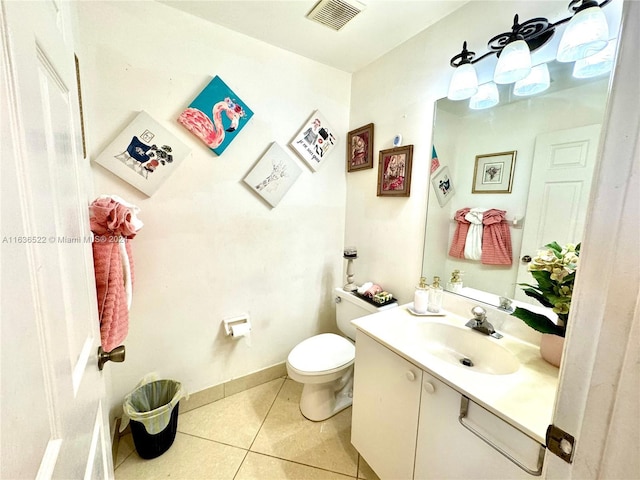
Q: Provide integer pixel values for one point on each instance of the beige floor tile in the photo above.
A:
(234, 420)
(365, 471)
(188, 458)
(125, 448)
(287, 434)
(261, 467)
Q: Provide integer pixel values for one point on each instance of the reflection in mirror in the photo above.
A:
(555, 137)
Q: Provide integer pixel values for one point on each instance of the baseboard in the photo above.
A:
(231, 387)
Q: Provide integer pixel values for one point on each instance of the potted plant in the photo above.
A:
(554, 268)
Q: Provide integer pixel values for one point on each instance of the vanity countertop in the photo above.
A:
(524, 399)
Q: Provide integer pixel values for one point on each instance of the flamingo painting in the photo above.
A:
(228, 116)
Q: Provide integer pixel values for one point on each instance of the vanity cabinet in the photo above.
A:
(406, 424)
(448, 450)
(386, 402)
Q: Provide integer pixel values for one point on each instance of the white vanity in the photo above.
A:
(419, 412)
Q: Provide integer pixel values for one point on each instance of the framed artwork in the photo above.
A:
(314, 141)
(360, 148)
(394, 172)
(443, 186)
(273, 175)
(216, 115)
(144, 154)
(493, 172)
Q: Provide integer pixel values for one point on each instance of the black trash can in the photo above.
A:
(153, 410)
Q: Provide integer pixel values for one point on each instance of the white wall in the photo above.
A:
(397, 93)
(211, 248)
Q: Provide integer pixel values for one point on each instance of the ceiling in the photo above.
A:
(379, 28)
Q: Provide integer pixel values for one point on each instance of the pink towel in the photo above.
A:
(460, 235)
(110, 222)
(496, 239)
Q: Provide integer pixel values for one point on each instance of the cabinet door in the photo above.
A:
(447, 450)
(386, 399)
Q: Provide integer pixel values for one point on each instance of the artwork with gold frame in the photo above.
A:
(493, 172)
(360, 148)
(394, 172)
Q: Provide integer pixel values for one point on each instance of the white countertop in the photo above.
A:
(524, 399)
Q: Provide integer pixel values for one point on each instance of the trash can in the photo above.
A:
(153, 412)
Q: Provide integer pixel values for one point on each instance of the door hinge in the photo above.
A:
(560, 443)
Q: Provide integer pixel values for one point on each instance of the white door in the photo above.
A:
(561, 176)
(53, 413)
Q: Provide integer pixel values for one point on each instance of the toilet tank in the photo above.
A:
(349, 307)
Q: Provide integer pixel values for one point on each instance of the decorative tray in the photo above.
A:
(370, 300)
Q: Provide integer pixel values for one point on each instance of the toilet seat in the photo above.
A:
(322, 353)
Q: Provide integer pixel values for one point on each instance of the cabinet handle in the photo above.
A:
(464, 409)
(411, 376)
(429, 387)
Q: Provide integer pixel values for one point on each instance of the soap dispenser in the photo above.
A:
(435, 296)
(421, 297)
(455, 284)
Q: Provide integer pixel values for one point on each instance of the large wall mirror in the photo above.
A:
(555, 138)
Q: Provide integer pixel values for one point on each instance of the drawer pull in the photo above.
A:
(429, 387)
(464, 409)
(411, 376)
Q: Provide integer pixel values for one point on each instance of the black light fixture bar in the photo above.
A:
(536, 32)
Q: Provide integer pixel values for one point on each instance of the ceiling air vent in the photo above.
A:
(335, 13)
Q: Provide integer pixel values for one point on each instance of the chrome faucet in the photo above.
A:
(479, 322)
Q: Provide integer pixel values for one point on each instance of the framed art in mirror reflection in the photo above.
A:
(493, 172)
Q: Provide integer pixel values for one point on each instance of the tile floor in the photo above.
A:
(255, 434)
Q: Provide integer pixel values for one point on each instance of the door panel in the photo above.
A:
(53, 422)
(561, 177)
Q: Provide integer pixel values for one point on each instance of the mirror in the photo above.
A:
(553, 133)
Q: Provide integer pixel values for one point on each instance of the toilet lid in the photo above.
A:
(322, 352)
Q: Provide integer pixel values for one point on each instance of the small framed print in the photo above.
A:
(394, 172)
(143, 154)
(360, 148)
(273, 175)
(493, 172)
(314, 141)
(443, 186)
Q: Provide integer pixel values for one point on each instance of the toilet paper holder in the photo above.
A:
(234, 322)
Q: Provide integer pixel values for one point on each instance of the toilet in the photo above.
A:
(324, 363)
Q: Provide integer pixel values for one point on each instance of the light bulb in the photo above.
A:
(598, 64)
(464, 82)
(486, 97)
(586, 34)
(537, 81)
(514, 63)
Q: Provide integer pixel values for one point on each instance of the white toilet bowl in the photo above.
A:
(324, 363)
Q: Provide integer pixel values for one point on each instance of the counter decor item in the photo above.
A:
(435, 296)
(350, 254)
(421, 297)
(554, 269)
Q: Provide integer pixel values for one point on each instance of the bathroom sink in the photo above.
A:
(465, 348)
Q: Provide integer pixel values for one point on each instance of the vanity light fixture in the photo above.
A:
(514, 61)
(486, 97)
(537, 81)
(464, 82)
(598, 64)
(584, 37)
